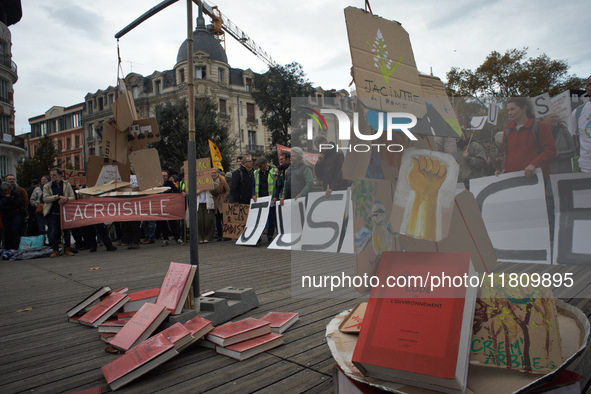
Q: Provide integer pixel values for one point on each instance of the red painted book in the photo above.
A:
(175, 287)
(281, 321)
(140, 326)
(139, 360)
(111, 326)
(179, 335)
(419, 333)
(107, 336)
(125, 315)
(198, 327)
(252, 347)
(139, 298)
(234, 332)
(105, 309)
(82, 305)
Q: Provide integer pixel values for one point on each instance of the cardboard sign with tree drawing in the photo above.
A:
(516, 327)
(425, 192)
(384, 68)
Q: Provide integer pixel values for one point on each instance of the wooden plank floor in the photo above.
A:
(41, 352)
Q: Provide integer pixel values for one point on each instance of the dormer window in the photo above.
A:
(200, 72)
(158, 86)
(248, 83)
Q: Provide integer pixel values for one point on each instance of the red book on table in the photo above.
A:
(234, 332)
(104, 309)
(280, 321)
(175, 287)
(418, 335)
(139, 298)
(140, 326)
(198, 327)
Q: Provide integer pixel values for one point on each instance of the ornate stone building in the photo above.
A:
(12, 148)
(214, 78)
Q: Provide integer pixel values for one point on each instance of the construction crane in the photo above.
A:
(220, 24)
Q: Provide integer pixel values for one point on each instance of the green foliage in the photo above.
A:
(38, 165)
(273, 92)
(513, 74)
(173, 126)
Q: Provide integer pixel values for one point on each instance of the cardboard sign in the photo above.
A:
(235, 216)
(203, 174)
(441, 118)
(514, 211)
(324, 221)
(290, 223)
(114, 142)
(516, 327)
(572, 219)
(102, 189)
(75, 177)
(141, 133)
(561, 106)
(124, 109)
(425, 192)
(347, 242)
(372, 206)
(493, 113)
(478, 122)
(542, 105)
(384, 68)
(95, 165)
(467, 233)
(146, 164)
(256, 221)
(78, 213)
(109, 173)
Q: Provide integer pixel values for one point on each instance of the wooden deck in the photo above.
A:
(41, 352)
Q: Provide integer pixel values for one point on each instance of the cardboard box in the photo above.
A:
(124, 110)
(114, 142)
(146, 165)
(141, 133)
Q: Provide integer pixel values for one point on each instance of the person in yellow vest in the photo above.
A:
(265, 179)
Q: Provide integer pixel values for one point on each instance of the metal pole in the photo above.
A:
(192, 153)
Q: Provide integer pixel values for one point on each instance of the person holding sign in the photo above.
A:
(242, 179)
(220, 192)
(55, 194)
(527, 143)
(581, 127)
(299, 179)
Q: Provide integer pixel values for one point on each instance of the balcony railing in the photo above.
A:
(6, 62)
(256, 149)
(8, 139)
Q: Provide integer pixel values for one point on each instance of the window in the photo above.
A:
(77, 162)
(222, 106)
(248, 84)
(90, 132)
(68, 143)
(200, 72)
(252, 138)
(89, 106)
(91, 151)
(3, 166)
(221, 74)
(157, 87)
(43, 127)
(100, 103)
(3, 90)
(250, 112)
(77, 139)
(67, 162)
(111, 98)
(59, 145)
(4, 121)
(77, 120)
(182, 75)
(135, 92)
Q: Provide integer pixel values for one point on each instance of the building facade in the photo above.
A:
(64, 125)
(229, 87)
(12, 148)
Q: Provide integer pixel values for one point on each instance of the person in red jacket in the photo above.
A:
(522, 152)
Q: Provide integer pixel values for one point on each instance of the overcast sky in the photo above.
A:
(66, 48)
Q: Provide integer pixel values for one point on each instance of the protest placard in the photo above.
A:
(514, 211)
(256, 221)
(204, 181)
(235, 216)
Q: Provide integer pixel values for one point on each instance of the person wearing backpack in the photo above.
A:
(581, 128)
(527, 143)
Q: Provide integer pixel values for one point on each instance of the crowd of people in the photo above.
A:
(525, 144)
